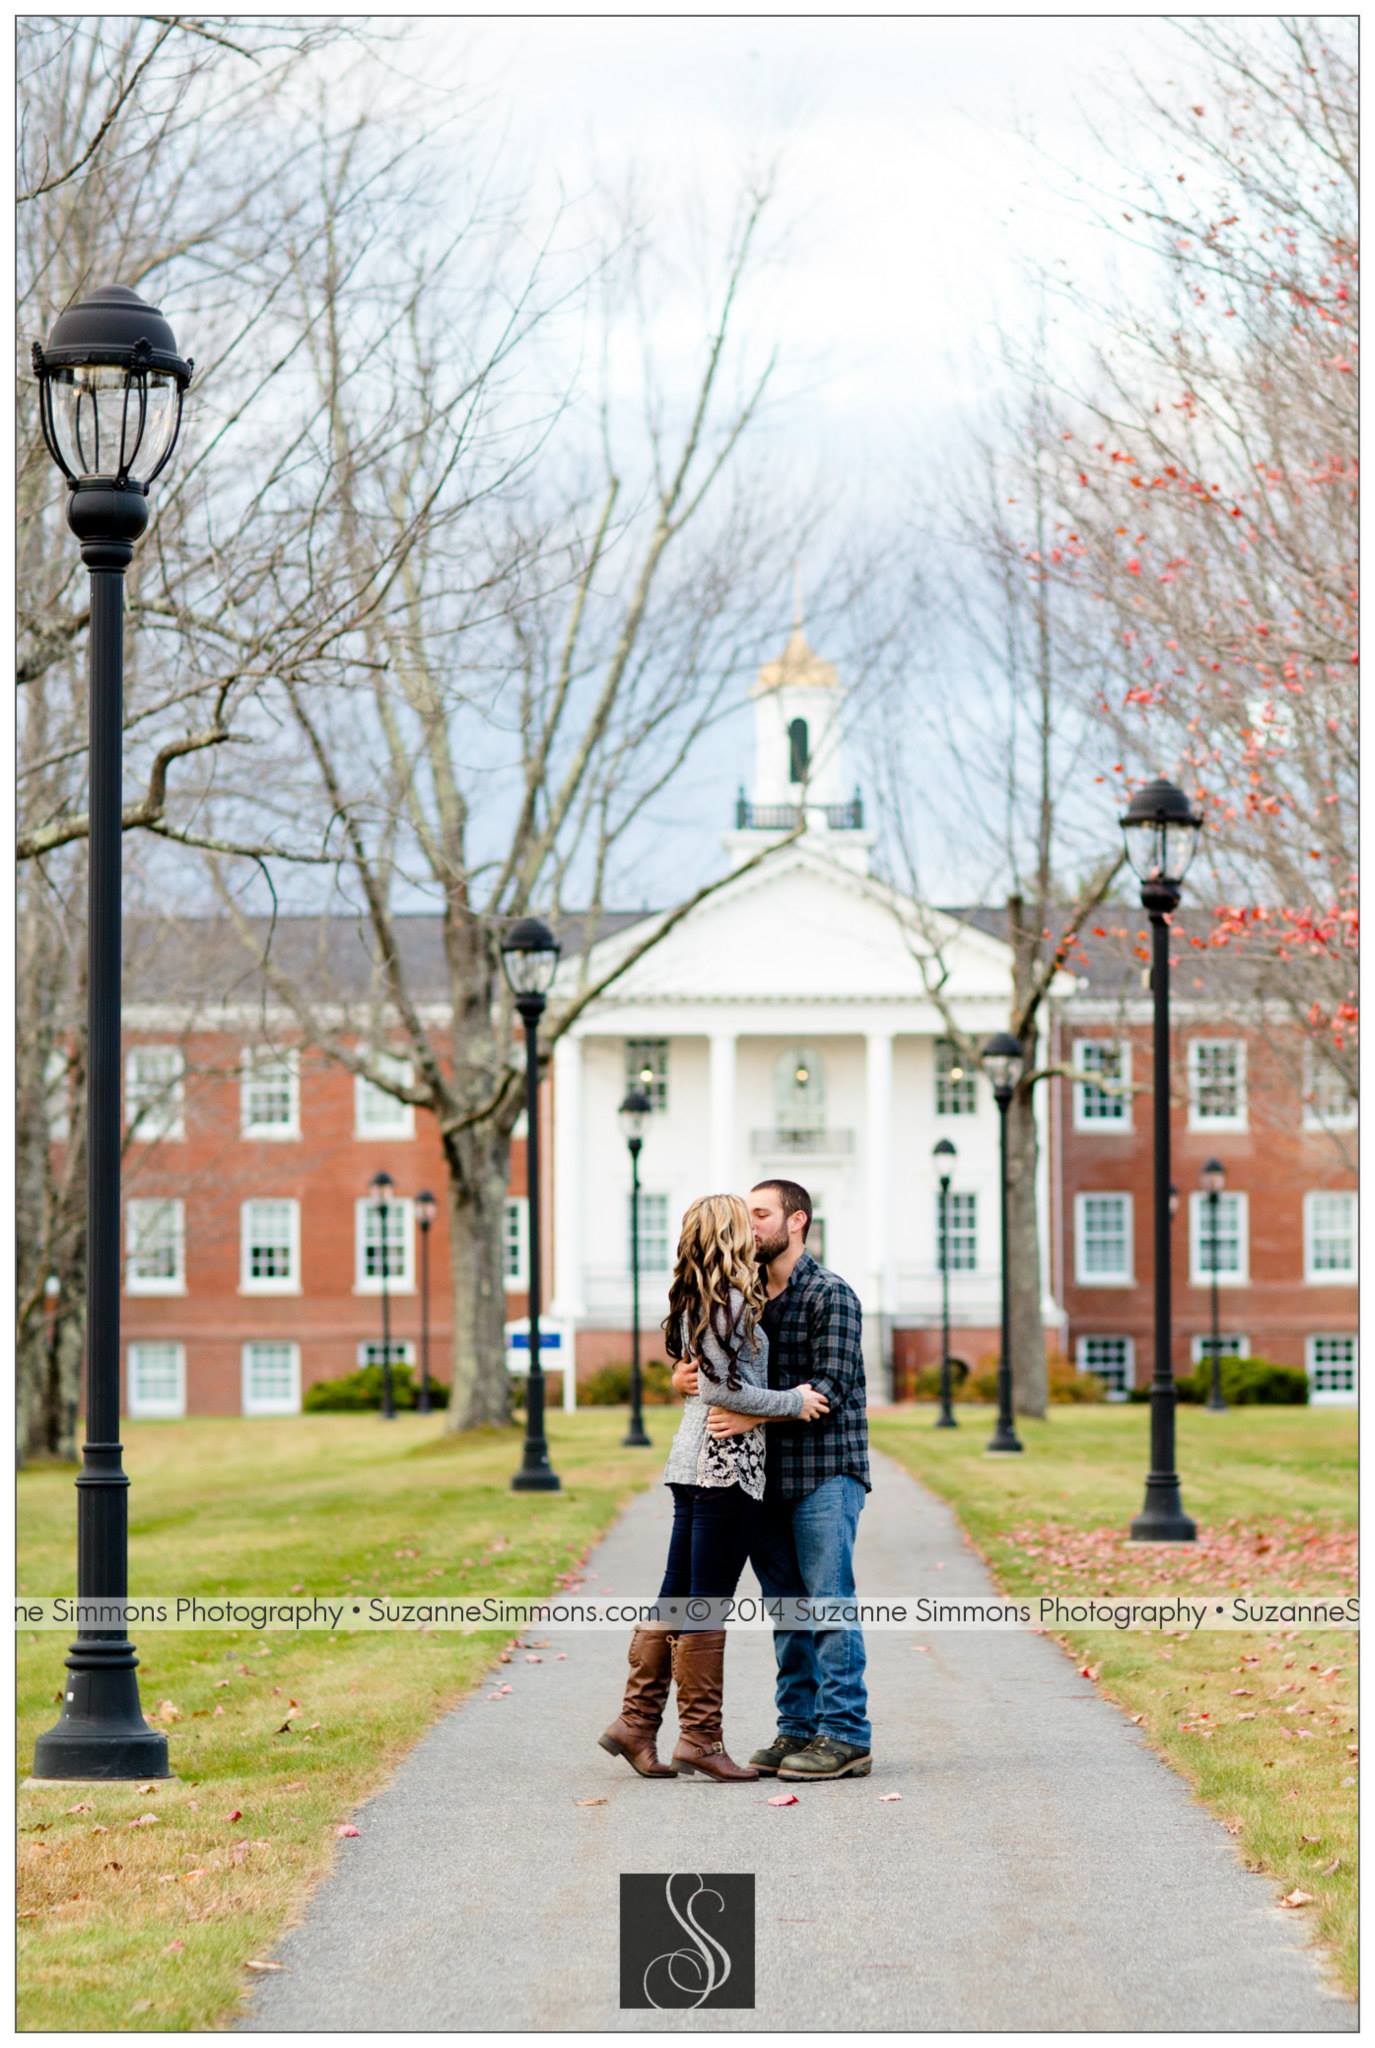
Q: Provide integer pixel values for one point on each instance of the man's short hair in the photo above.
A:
(793, 1196)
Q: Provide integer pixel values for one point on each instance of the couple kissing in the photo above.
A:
(770, 1463)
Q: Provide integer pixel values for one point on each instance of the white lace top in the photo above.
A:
(696, 1458)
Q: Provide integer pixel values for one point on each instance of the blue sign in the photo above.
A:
(549, 1340)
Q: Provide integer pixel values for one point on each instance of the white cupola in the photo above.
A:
(800, 760)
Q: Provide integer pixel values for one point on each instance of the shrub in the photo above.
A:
(1066, 1383)
(361, 1390)
(1251, 1381)
(609, 1387)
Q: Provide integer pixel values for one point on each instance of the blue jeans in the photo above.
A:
(713, 1530)
(805, 1548)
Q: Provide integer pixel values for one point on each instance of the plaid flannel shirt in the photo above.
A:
(818, 1339)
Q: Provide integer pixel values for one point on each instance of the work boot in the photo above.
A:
(632, 1733)
(766, 1761)
(698, 1668)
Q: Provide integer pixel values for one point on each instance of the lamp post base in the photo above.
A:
(535, 1482)
(102, 1735)
(1218, 1407)
(945, 1422)
(1000, 1443)
(637, 1438)
(1162, 1519)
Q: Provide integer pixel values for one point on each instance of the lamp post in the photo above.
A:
(530, 958)
(1001, 1059)
(1161, 828)
(944, 1152)
(110, 388)
(380, 1187)
(1214, 1179)
(633, 1112)
(424, 1216)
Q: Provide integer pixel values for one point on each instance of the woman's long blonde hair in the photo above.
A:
(715, 1253)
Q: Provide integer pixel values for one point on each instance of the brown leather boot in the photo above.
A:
(698, 1668)
(632, 1733)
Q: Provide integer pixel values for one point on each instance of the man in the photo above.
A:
(817, 1479)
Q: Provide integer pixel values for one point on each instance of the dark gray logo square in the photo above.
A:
(687, 1941)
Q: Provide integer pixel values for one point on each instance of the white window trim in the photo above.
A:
(403, 1123)
(1313, 1119)
(969, 1078)
(174, 1103)
(1198, 1122)
(249, 1283)
(519, 1281)
(292, 1406)
(1199, 1275)
(1107, 1336)
(1201, 1354)
(659, 1085)
(257, 1055)
(654, 1194)
(1328, 1399)
(1346, 1277)
(365, 1283)
(135, 1283)
(1096, 1126)
(1085, 1279)
(960, 1273)
(153, 1411)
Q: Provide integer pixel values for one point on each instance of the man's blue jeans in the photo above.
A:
(806, 1548)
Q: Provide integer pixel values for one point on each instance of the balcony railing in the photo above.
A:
(807, 1142)
(848, 817)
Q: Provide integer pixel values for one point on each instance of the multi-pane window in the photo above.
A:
(384, 1249)
(378, 1113)
(816, 1232)
(1098, 1106)
(1229, 1345)
(646, 1066)
(1112, 1359)
(57, 1096)
(156, 1380)
(964, 1232)
(956, 1088)
(270, 1247)
(1328, 1103)
(1231, 1254)
(270, 1094)
(154, 1091)
(402, 1352)
(1331, 1360)
(515, 1242)
(1329, 1234)
(155, 1247)
(653, 1233)
(1103, 1239)
(271, 1379)
(1217, 1084)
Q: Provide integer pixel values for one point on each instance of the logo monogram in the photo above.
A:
(687, 1941)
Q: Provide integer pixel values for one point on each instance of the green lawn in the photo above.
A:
(1262, 1725)
(150, 1927)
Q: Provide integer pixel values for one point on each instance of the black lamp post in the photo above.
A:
(110, 385)
(424, 1216)
(1161, 831)
(633, 1112)
(944, 1153)
(380, 1188)
(1214, 1178)
(1001, 1060)
(530, 958)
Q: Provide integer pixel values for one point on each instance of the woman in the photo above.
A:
(715, 1302)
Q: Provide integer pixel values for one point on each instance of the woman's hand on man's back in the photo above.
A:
(684, 1376)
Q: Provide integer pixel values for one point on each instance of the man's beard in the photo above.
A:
(766, 1249)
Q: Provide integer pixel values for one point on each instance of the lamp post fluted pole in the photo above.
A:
(110, 390)
(381, 1187)
(424, 1214)
(530, 956)
(945, 1152)
(1002, 1062)
(634, 1113)
(1214, 1180)
(1161, 831)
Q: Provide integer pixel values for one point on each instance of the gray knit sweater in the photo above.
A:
(753, 1397)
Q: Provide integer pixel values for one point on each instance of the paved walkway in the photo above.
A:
(1043, 1870)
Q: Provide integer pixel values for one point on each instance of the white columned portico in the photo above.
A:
(878, 1220)
(567, 1304)
(724, 1147)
